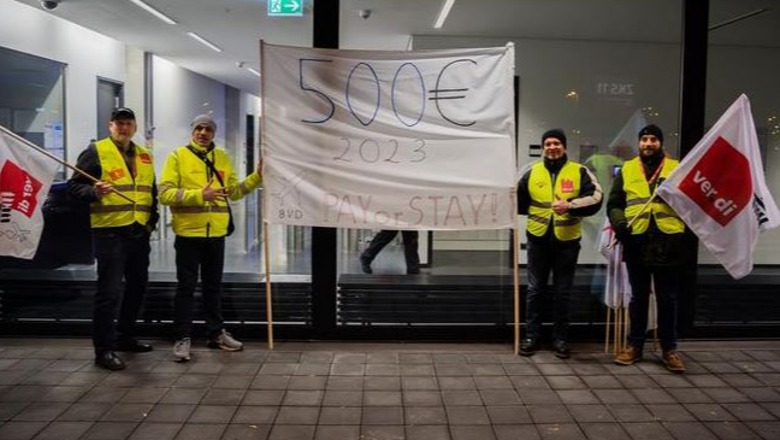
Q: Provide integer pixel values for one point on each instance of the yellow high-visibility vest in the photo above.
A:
(543, 193)
(112, 210)
(638, 193)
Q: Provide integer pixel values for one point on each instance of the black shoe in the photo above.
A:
(365, 265)
(133, 346)
(413, 271)
(109, 361)
(561, 349)
(529, 347)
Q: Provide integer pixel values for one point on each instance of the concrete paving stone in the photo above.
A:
(560, 431)
(477, 432)
(709, 412)
(590, 413)
(456, 383)
(767, 430)
(383, 415)
(508, 415)
(155, 431)
(549, 414)
(21, 430)
(110, 431)
(342, 398)
(348, 415)
(647, 431)
(500, 397)
(516, 432)
(689, 430)
(427, 432)
(603, 431)
(731, 431)
(629, 413)
(255, 415)
(386, 432)
(212, 414)
(344, 432)
(233, 381)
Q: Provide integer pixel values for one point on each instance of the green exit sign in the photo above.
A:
(285, 8)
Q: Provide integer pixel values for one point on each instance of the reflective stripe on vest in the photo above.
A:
(638, 193)
(540, 187)
(112, 210)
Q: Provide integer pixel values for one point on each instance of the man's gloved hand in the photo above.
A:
(622, 232)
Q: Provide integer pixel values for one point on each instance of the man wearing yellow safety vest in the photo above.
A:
(197, 181)
(652, 246)
(121, 231)
(555, 194)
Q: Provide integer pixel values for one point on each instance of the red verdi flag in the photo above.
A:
(720, 193)
(25, 178)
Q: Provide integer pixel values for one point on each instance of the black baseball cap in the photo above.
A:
(122, 113)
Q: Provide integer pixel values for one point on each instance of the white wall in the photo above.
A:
(88, 55)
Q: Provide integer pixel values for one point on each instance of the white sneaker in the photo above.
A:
(181, 350)
(226, 342)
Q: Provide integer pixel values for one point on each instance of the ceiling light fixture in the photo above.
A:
(254, 71)
(153, 11)
(204, 42)
(443, 13)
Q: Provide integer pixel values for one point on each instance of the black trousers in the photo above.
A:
(204, 256)
(122, 253)
(384, 237)
(560, 258)
(666, 283)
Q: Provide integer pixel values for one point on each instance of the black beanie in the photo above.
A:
(653, 130)
(556, 133)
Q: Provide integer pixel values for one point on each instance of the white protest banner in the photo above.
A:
(389, 140)
(720, 193)
(25, 178)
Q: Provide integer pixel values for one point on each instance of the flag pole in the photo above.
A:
(60, 161)
(633, 219)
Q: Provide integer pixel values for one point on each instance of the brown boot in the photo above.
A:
(673, 362)
(628, 356)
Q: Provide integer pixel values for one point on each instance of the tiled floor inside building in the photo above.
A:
(50, 389)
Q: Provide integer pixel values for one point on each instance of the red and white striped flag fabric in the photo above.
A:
(25, 178)
(720, 193)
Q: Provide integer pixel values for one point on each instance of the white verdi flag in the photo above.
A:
(25, 178)
(389, 140)
(720, 193)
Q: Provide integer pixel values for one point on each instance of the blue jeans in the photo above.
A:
(666, 281)
(560, 258)
(122, 253)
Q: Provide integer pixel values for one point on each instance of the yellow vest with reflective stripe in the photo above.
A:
(112, 210)
(211, 219)
(638, 193)
(540, 187)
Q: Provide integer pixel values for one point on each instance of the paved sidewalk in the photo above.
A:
(50, 389)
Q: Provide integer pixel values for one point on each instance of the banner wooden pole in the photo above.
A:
(606, 335)
(268, 299)
(516, 271)
(266, 235)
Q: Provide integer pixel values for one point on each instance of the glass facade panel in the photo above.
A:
(32, 100)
